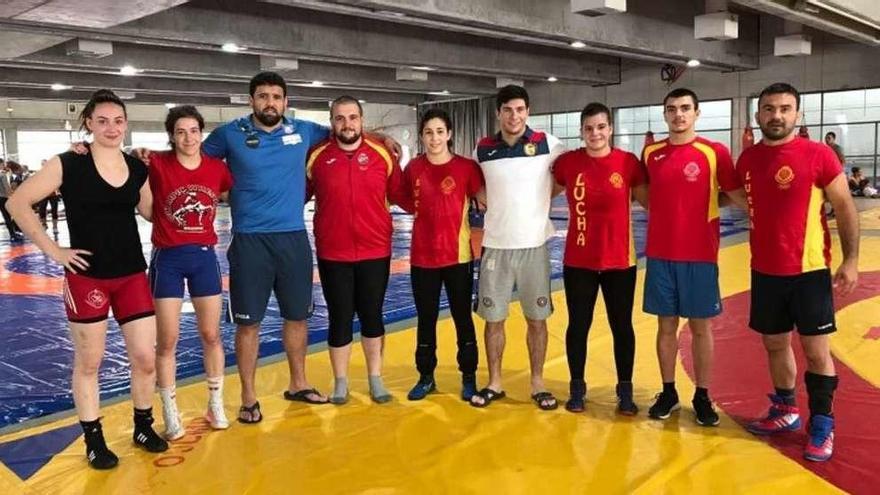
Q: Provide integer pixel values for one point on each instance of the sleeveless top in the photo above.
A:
(101, 218)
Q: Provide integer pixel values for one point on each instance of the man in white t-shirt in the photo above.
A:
(516, 164)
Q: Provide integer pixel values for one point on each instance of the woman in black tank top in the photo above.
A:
(104, 267)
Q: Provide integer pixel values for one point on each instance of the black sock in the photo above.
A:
(669, 388)
(100, 457)
(820, 390)
(143, 417)
(787, 395)
(701, 393)
(144, 435)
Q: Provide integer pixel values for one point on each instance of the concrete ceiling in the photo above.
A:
(351, 46)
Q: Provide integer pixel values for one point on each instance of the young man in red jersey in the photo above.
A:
(686, 174)
(787, 179)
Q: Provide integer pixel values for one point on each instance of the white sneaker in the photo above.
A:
(173, 425)
(216, 416)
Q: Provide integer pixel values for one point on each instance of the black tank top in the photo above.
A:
(101, 218)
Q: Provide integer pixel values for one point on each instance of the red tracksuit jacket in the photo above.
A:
(353, 192)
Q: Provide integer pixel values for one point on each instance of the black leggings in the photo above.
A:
(350, 288)
(426, 284)
(581, 290)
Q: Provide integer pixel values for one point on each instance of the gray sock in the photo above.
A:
(340, 391)
(377, 390)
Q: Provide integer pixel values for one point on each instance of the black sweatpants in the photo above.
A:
(426, 285)
(581, 290)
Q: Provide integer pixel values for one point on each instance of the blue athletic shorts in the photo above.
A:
(192, 263)
(682, 288)
(262, 263)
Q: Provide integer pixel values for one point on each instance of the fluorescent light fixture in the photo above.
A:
(391, 13)
(693, 63)
(59, 87)
(128, 70)
(317, 84)
(552, 79)
(422, 67)
(362, 101)
(439, 93)
(230, 47)
(170, 105)
(578, 44)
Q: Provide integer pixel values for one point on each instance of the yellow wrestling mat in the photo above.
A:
(868, 220)
(442, 445)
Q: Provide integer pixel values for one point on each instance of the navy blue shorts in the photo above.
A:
(262, 263)
(682, 288)
(191, 263)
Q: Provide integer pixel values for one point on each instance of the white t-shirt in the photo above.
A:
(518, 188)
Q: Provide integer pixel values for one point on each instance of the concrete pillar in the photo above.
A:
(10, 141)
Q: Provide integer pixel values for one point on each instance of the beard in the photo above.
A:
(776, 130)
(351, 138)
(268, 119)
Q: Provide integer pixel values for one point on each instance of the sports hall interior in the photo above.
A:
(400, 57)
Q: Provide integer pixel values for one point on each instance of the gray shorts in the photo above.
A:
(504, 270)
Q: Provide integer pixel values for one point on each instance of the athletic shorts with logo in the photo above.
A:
(682, 288)
(191, 264)
(527, 271)
(89, 300)
(782, 302)
(260, 264)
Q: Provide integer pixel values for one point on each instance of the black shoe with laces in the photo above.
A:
(664, 405)
(705, 412)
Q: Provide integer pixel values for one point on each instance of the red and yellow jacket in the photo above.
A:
(353, 192)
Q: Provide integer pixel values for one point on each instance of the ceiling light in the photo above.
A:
(578, 44)
(439, 93)
(391, 13)
(128, 70)
(693, 63)
(317, 84)
(170, 105)
(230, 47)
(59, 87)
(422, 67)
(362, 101)
(552, 79)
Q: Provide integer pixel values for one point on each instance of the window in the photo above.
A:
(564, 126)
(853, 116)
(150, 140)
(631, 124)
(36, 146)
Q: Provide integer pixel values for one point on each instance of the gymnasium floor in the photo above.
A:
(440, 445)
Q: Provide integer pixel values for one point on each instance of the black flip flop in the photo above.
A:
(303, 396)
(252, 411)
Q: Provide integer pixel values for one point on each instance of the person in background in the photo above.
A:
(831, 140)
